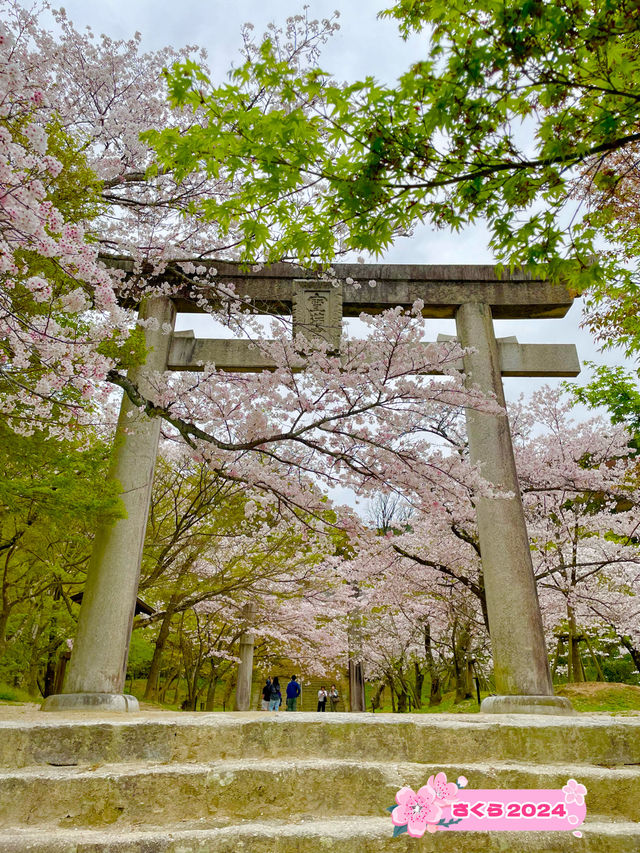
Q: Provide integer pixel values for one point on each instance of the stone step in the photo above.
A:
(154, 795)
(346, 835)
(54, 739)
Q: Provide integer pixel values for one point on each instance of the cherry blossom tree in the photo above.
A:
(580, 492)
(579, 488)
(359, 420)
(414, 616)
(211, 547)
(50, 353)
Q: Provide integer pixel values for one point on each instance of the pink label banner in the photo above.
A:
(441, 805)
(516, 810)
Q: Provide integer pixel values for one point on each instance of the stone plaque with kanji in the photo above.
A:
(317, 311)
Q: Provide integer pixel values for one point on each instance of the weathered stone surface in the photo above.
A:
(538, 359)
(527, 705)
(99, 659)
(442, 288)
(520, 661)
(191, 353)
(317, 311)
(92, 702)
(345, 835)
(245, 668)
(286, 789)
(430, 739)
(297, 783)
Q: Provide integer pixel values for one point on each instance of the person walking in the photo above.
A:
(322, 699)
(333, 697)
(275, 695)
(293, 691)
(266, 695)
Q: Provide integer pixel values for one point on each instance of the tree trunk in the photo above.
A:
(151, 688)
(402, 702)
(461, 664)
(594, 658)
(194, 692)
(228, 692)
(357, 700)
(4, 620)
(50, 673)
(392, 691)
(29, 679)
(376, 699)
(357, 695)
(171, 676)
(404, 694)
(575, 663)
(555, 660)
(435, 690)
(211, 689)
(634, 651)
(419, 682)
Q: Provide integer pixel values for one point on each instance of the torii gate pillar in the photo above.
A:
(521, 666)
(97, 670)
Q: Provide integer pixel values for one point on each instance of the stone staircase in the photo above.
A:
(292, 783)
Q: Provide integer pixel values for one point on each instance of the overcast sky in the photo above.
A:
(363, 46)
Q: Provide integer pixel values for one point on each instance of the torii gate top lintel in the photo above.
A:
(442, 288)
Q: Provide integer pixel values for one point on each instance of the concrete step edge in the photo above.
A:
(355, 825)
(210, 824)
(277, 765)
(231, 718)
(234, 718)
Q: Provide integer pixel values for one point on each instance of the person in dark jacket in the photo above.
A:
(293, 691)
(276, 695)
(266, 695)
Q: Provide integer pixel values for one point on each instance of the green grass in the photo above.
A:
(467, 706)
(447, 706)
(12, 695)
(589, 697)
(610, 697)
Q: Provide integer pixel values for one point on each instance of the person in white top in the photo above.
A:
(322, 699)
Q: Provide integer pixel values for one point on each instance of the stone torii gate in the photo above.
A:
(474, 296)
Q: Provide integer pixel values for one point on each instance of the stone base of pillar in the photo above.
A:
(526, 705)
(121, 702)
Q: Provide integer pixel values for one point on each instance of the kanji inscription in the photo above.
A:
(317, 311)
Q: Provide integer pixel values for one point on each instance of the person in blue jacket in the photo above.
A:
(293, 691)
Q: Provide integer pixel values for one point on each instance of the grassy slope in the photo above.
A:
(588, 697)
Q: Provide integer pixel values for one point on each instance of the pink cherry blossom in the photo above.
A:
(417, 810)
(446, 792)
(574, 792)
